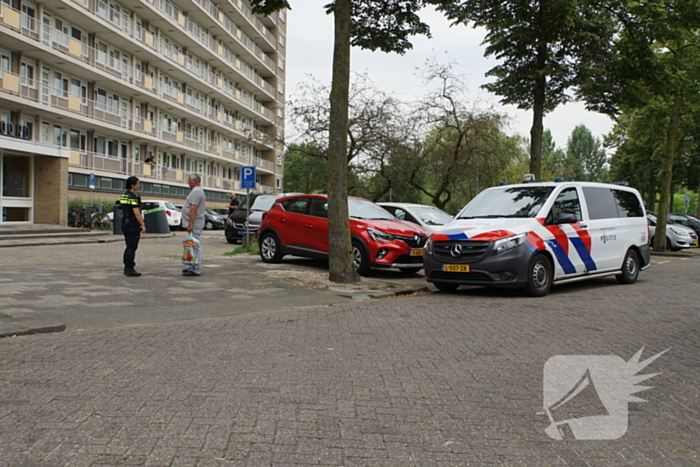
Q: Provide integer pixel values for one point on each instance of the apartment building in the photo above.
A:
(99, 87)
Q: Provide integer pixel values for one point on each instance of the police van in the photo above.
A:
(534, 235)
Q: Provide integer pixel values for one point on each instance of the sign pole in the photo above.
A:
(247, 218)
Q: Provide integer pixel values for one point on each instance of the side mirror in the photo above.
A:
(566, 218)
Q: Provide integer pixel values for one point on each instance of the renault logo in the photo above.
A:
(416, 238)
(456, 250)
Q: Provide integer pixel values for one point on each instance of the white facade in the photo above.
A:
(196, 86)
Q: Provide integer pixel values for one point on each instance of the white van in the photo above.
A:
(533, 235)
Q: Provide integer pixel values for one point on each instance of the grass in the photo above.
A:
(253, 249)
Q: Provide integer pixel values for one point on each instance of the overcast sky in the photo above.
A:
(310, 50)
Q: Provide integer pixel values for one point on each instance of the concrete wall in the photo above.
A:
(50, 190)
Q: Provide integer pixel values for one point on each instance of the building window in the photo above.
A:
(280, 63)
(281, 40)
(26, 71)
(283, 16)
(278, 183)
(280, 87)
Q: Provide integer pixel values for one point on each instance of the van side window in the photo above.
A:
(296, 205)
(567, 201)
(627, 204)
(601, 203)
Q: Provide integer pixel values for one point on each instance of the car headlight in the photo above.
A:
(379, 236)
(679, 232)
(505, 244)
(429, 246)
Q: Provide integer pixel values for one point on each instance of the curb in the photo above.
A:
(23, 328)
(78, 242)
(675, 254)
(371, 295)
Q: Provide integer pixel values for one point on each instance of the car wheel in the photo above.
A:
(231, 240)
(410, 270)
(630, 268)
(445, 286)
(539, 276)
(360, 259)
(270, 248)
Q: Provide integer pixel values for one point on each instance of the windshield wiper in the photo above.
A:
(358, 217)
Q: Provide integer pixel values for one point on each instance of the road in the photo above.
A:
(430, 380)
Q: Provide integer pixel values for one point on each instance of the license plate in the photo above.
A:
(241, 232)
(455, 267)
(417, 252)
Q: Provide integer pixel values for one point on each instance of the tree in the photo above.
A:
(542, 45)
(305, 170)
(654, 58)
(461, 150)
(384, 25)
(586, 154)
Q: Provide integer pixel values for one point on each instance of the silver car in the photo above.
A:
(430, 218)
(677, 236)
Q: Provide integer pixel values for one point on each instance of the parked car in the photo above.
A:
(213, 221)
(687, 221)
(430, 218)
(298, 225)
(677, 236)
(236, 222)
(223, 212)
(171, 212)
(533, 235)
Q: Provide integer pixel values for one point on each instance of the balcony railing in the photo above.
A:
(105, 111)
(101, 60)
(125, 24)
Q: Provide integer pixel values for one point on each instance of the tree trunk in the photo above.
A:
(667, 172)
(538, 113)
(339, 244)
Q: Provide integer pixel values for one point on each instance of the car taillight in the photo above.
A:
(168, 212)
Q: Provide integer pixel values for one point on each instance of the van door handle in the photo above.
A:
(282, 219)
(584, 226)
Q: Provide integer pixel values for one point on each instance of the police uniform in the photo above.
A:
(130, 228)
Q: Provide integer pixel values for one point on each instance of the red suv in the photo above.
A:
(298, 225)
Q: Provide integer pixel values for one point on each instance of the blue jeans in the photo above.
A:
(196, 268)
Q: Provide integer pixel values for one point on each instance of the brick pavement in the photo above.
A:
(434, 380)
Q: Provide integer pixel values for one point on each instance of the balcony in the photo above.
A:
(101, 61)
(103, 111)
(191, 31)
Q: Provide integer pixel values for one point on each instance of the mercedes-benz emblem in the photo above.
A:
(456, 250)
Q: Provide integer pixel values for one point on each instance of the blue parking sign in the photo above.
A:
(248, 177)
(92, 181)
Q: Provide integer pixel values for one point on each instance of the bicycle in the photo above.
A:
(77, 217)
(99, 220)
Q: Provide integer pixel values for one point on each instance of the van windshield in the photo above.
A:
(507, 202)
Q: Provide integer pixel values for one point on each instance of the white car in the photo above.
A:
(430, 218)
(171, 212)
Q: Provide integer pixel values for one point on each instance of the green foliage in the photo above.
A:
(253, 249)
(543, 48)
(305, 169)
(586, 156)
(78, 203)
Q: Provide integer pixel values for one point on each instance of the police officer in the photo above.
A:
(132, 224)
